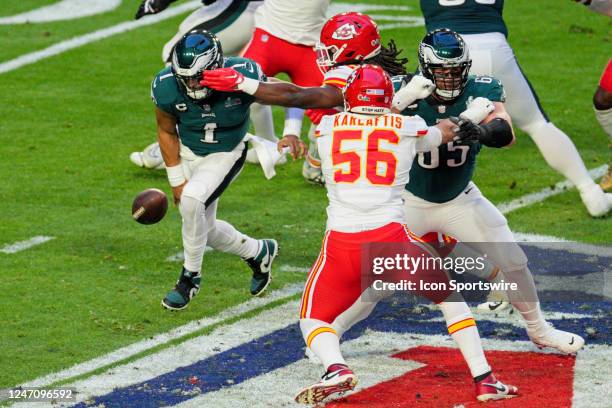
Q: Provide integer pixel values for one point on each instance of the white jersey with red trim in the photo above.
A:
(366, 163)
(298, 22)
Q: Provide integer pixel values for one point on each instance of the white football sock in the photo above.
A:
(194, 231)
(525, 299)
(322, 339)
(462, 328)
(605, 120)
(225, 238)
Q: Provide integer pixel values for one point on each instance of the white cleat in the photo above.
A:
(149, 158)
(493, 307)
(596, 201)
(563, 341)
(497, 301)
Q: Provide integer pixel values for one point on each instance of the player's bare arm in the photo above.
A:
(170, 148)
(274, 93)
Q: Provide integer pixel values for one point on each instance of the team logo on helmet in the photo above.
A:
(345, 32)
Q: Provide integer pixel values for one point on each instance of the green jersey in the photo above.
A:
(214, 124)
(465, 16)
(442, 174)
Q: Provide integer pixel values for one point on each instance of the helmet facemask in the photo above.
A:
(194, 54)
(327, 56)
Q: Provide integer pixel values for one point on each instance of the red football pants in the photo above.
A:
(275, 55)
(335, 281)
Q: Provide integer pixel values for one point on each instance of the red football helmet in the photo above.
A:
(347, 37)
(368, 90)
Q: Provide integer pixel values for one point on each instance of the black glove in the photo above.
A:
(495, 133)
(208, 2)
(467, 130)
(152, 7)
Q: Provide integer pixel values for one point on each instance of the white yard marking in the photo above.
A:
(371, 361)
(291, 268)
(21, 245)
(76, 42)
(186, 353)
(180, 256)
(133, 349)
(560, 187)
(550, 242)
(63, 10)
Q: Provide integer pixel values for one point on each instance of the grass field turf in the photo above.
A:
(70, 122)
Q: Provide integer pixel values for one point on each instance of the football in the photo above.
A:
(150, 206)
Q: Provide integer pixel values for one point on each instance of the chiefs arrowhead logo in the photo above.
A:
(345, 32)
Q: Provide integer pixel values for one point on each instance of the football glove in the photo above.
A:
(466, 129)
(222, 79)
(478, 110)
(496, 133)
(152, 7)
(419, 87)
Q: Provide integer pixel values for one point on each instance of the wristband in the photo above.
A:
(248, 86)
(176, 177)
(292, 127)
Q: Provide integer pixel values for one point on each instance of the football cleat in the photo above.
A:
(337, 380)
(606, 181)
(493, 307)
(563, 341)
(497, 301)
(490, 389)
(149, 158)
(596, 201)
(187, 286)
(261, 265)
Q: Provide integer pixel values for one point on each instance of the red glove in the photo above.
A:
(316, 115)
(222, 79)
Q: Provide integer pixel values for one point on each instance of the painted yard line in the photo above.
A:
(180, 256)
(543, 194)
(133, 349)
(79, 41)
(62, 10)
(291, 268)
(549, 242)
(186, 353)
(21, 245)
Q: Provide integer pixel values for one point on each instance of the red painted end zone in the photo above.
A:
(544, 381)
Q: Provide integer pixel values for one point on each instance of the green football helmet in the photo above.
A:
(196, 52)
(445, 60)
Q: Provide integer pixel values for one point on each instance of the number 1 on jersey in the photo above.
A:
(209, 133)
(373, 156)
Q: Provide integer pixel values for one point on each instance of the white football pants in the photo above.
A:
(208, 177)
(492, 55)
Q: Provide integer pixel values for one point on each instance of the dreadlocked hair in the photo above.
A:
(388, 59)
